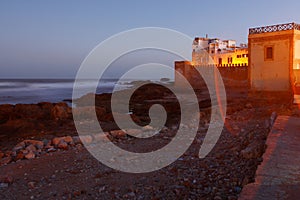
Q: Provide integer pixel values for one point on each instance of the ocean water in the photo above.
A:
(27, 91)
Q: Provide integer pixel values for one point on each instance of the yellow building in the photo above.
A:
(221, 53)
(274, 57)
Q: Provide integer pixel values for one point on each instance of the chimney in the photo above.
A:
(206, 36)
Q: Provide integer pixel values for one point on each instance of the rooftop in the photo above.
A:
(274, 28)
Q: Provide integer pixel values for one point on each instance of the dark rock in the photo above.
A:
(19, 156)
(86, 139)
(36, 143)
(5, 160)
(61, 111)
(62, 145)
(19, 146)
(31, 148)
(76, 140)
(118, 133)
(66, 139)
(30, 155)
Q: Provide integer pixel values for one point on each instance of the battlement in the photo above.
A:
(274, 28)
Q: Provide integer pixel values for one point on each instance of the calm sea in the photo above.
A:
(26, 91)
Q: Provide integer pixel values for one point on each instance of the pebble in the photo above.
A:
(148, 128)
(134, 132)
(3, 185)
(31, 185)
(52, 149)
(31, 148)
(100, 137)
(86, 139)
(118, 133)
(238, 189)
(76, 140)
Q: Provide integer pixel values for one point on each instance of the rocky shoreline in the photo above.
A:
(43, 137)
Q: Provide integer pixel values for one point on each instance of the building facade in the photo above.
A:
(274, 57)
(222, 53)
(271, 59)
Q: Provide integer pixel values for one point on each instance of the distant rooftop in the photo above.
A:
(274, 28)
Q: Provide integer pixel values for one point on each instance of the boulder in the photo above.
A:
(5, 160)
(31, 148)
(30, 155)
(61, 111)
(148, 128)
(86, 139)
(118, 133)
(66, 139)
(62, 145)
(19, 146)
(56, 140)
(38, 144)
(134, 132)
(76, 140)
(100, 137)
(19, 156)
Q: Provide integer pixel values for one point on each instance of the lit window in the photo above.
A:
(297, 66)
(269, 53)
(220, 61)
(229, 60)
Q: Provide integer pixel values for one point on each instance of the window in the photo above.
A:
(238, 56)
(269, 53)
(229, 60)
(297, 66)
(220, 61)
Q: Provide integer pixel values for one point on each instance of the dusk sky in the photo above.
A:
(50, 39)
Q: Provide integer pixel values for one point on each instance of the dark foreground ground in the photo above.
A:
(72, 173)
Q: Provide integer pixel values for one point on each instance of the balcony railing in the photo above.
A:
(274, 28)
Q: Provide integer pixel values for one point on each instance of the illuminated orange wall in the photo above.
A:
(239, 58)
(274, 74)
